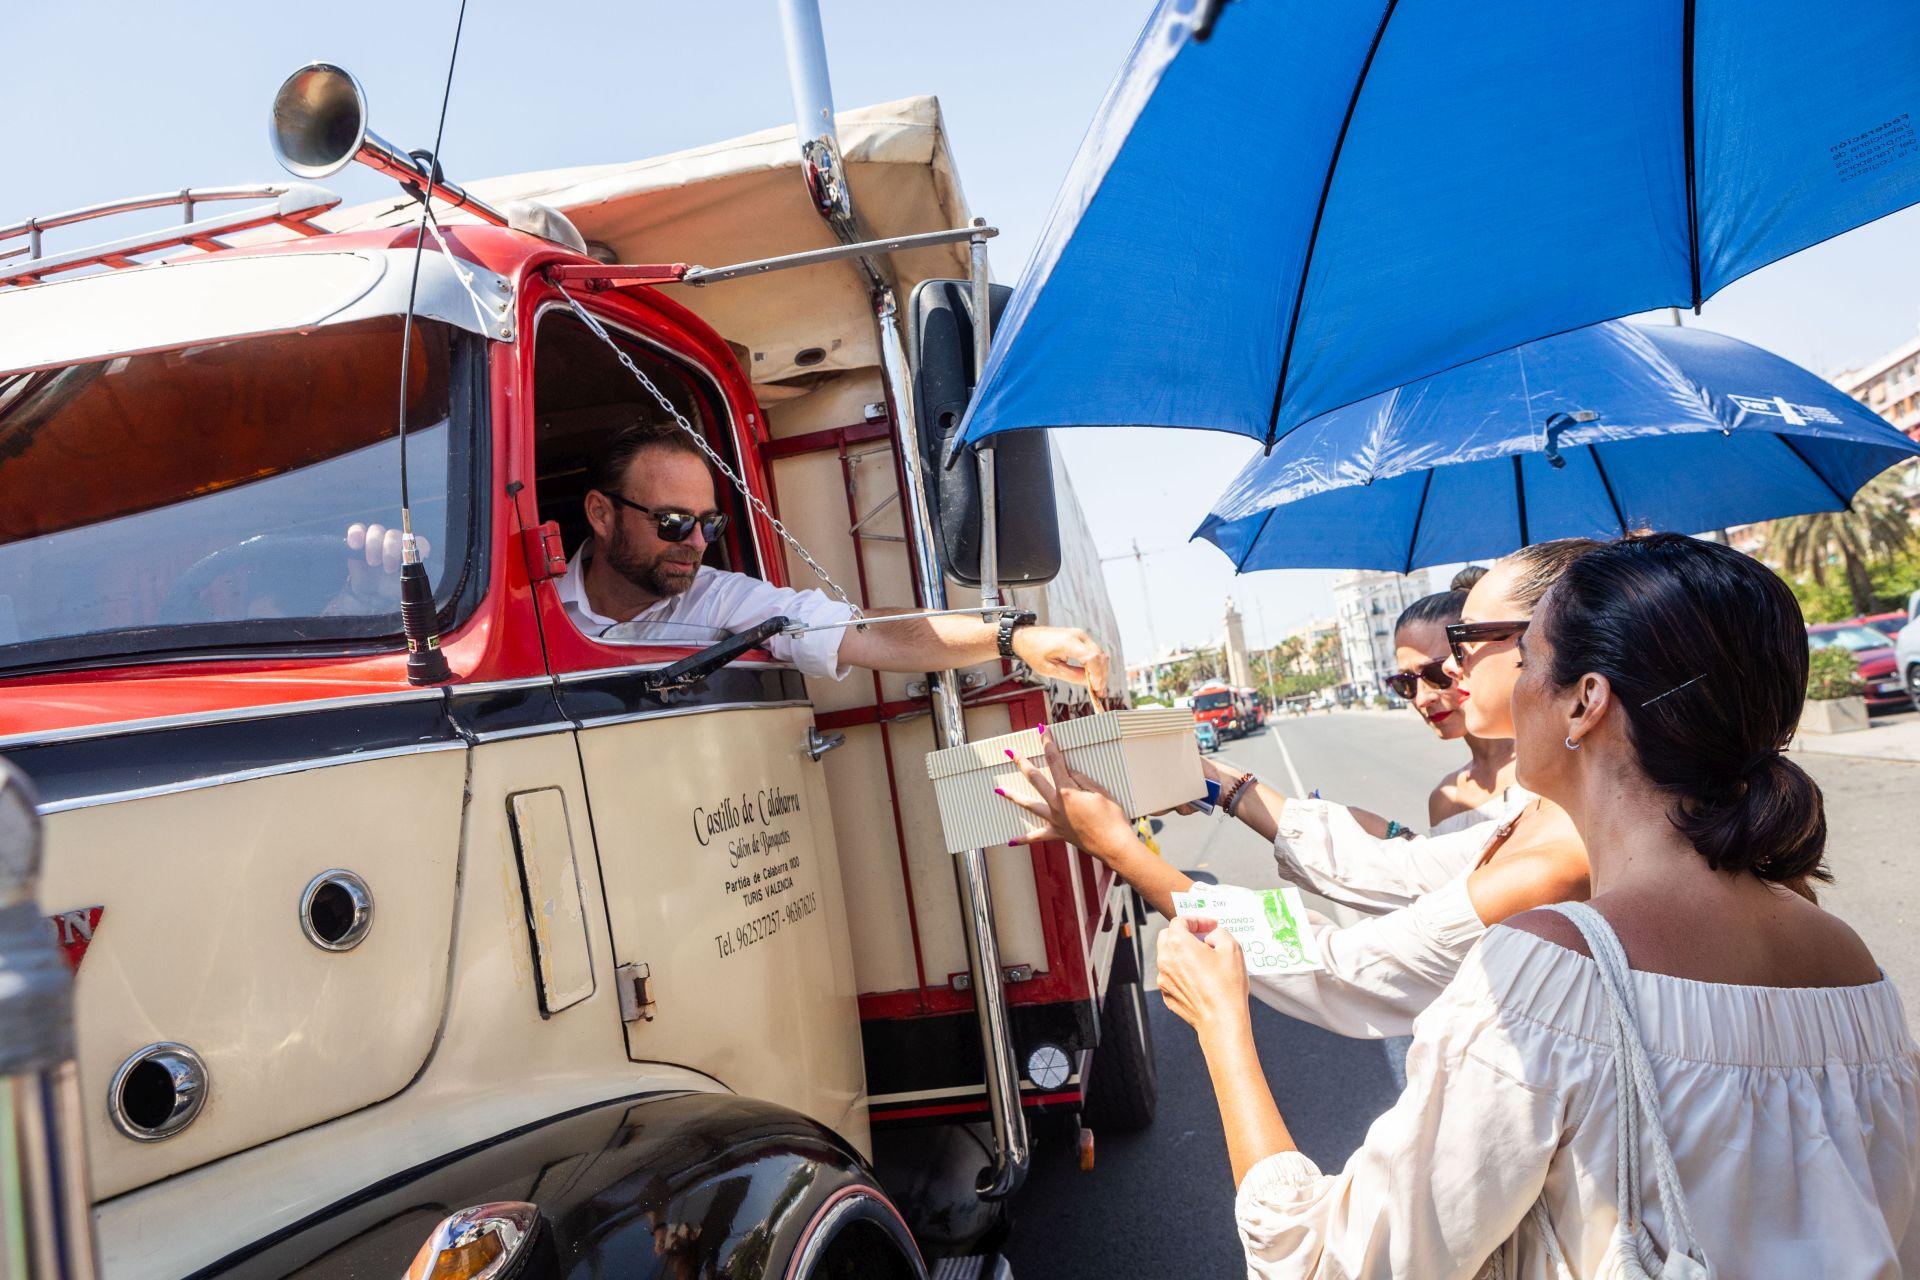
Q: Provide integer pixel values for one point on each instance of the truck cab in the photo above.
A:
(656, 956)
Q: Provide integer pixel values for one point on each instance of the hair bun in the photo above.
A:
(1771, 820)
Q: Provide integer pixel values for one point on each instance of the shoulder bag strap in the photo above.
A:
(1639, 1098)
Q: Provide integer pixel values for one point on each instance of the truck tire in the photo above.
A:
(1123, 1085)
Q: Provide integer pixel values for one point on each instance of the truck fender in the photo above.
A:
(659, 1185)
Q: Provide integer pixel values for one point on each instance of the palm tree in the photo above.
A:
(1876, 528)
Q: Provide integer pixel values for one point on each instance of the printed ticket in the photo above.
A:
(1269, 924)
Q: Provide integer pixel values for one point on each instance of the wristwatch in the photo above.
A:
(1010, 622)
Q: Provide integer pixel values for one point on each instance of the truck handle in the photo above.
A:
(697, 666)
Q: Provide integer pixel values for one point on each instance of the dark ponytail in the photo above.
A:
(1706, 653)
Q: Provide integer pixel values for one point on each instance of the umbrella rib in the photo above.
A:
(1686, 105)
(1254, 541)
(1520, 497)
(1613, 500)
(1413, 538)
(1846, 503)
(1313, 236)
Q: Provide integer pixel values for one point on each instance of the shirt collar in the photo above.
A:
(573, 588)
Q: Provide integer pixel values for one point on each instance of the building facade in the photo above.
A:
(1366, 604)
(1890, 386)
(1309, 636)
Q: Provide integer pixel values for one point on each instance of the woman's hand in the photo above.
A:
(1202, 975)
(1070, 807)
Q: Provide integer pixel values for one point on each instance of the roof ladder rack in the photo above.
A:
(292, 205)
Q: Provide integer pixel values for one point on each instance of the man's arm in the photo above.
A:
(940, 644)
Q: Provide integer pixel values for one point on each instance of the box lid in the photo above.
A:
(1082, 731)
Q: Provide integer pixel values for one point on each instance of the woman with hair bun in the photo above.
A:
(1698, 1071)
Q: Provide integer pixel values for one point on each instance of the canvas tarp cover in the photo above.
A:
(743, 199)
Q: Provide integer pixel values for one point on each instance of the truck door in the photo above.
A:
(715, 838)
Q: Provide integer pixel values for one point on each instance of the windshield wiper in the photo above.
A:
(695, 667)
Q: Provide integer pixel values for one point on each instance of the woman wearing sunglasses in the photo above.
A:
(1698, 1036)
(1482, 791)
(1427, 899)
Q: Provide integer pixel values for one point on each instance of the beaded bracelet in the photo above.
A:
(1233, 796)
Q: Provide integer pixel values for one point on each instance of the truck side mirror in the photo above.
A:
(940, 348)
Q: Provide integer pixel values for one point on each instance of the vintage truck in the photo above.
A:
(578, 960)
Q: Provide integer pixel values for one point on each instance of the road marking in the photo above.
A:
(1286, 758)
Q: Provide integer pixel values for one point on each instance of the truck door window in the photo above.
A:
(204, 496)
(582, 394)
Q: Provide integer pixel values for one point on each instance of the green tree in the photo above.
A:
(1326, 652)
(1874, 532)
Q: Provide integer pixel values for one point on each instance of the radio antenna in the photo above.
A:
(418, 620)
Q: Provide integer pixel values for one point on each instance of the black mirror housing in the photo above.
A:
(940, 349)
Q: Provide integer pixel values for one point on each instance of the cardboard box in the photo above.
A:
(1148, 760)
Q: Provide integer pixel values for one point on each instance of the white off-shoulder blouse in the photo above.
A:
(1377, 975)
(1498, 809)
(1793, 1115)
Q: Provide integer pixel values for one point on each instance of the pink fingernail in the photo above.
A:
(997, 791)
(1010, 754)
(1043, 731)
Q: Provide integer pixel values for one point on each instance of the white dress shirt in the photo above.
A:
(718, 603)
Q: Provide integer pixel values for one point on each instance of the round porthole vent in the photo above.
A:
(157, 1092)
(336, 911)
(1048, 1065)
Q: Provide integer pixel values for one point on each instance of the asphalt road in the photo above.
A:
(1160, 1202)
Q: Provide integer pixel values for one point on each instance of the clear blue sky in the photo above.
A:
(120, 98)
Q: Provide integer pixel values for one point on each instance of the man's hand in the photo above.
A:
(1064, 653)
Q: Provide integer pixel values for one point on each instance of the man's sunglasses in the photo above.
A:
(677, 526)
(1404, 683)
(1462, 634)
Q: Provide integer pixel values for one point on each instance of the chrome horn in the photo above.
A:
(319, 126)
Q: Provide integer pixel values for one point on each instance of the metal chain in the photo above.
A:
(713, 456)
(460, 273)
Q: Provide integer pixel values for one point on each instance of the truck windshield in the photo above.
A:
(221, 495)
(1212, 701)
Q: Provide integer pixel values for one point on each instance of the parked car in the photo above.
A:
(1207, 735)
(1885, 686)
(1890, 624)
(1906, 658)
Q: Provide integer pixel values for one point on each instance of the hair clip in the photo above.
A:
(1677, 688)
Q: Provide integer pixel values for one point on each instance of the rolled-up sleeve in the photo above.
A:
(1321, 846)
(1380, 974)
(1442, 1180)
(750, 601)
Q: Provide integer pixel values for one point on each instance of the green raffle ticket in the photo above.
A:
(1269, 924)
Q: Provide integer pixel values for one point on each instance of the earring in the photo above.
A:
(1571, 744)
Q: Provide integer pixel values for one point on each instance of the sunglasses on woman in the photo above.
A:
(1431, 674)
(1462, 634)
(677, 526)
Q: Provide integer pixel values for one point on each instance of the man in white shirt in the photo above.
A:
(652, 508)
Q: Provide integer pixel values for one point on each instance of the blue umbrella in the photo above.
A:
(1329, 198)
(1596, 432)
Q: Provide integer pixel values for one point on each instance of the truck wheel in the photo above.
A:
(1123, 1086)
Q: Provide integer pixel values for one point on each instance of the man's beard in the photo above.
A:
(656, 576)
